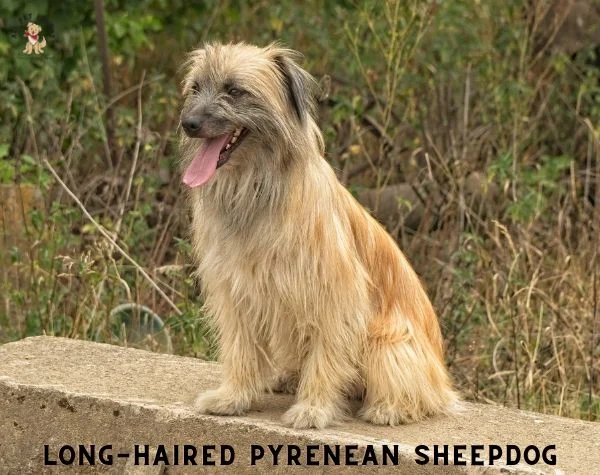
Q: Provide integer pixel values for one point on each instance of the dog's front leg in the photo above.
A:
(245, 367)
(326, 372)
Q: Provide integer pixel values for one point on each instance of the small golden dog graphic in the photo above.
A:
(32, 33)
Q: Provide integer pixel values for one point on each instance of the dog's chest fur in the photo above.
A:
(275, 255)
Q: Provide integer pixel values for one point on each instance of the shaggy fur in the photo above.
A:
(307, 292)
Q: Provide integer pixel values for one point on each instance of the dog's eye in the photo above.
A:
(234, 92)
(195, 87)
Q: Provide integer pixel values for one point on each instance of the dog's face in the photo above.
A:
(33, 29)
(237, 98)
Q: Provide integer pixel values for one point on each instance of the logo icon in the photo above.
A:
(33, 45)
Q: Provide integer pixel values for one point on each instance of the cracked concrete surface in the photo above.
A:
(59, 392)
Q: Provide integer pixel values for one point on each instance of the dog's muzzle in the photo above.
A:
(192, 126)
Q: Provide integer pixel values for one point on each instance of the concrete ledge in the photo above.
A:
(56, 392)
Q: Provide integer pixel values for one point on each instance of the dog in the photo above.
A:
(32, 33)
(308, 294)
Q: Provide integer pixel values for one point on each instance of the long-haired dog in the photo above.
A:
(307, 292)
(33, 45)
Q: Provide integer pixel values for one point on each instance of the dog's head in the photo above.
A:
(33, 29)
(242, 100)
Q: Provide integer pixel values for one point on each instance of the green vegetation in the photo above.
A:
(473, 103)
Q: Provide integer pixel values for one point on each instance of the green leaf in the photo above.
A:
(4, 150)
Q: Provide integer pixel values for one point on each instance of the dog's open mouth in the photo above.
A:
(234, 141)
(213, 154)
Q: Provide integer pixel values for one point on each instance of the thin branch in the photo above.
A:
(104, 58)
(593, 340)
(136, 153)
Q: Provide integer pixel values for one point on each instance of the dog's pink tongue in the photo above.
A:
(204, 164)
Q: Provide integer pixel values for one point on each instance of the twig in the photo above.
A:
(593, 340)
(136, 153)
(515, 356)
(128, 91)
(126, 198)
(103, 50)
(595, 140)
(105, 141)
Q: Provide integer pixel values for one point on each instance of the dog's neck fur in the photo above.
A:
(259, 184)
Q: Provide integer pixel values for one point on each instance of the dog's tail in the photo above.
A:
(43, 43)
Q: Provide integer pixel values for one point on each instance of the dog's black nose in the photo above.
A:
(191, 125)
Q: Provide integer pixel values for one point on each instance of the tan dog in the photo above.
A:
(32, 33)
(308, 293)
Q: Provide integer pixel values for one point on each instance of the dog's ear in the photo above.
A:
(300, 84)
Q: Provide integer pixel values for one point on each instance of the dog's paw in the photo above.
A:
(304, 416)
(221, 402)
(384, 415)
(286, 383)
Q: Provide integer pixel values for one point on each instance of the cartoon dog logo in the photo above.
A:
(32, 33)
